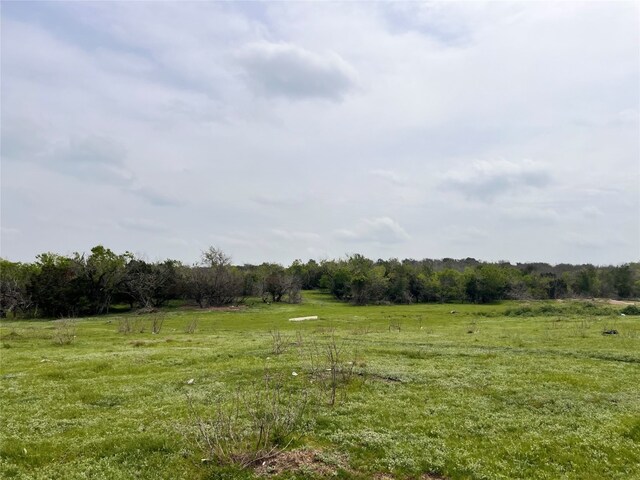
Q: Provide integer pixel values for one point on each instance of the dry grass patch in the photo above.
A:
(306, 461)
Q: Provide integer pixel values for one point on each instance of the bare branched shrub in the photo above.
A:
(582, 329)
(192, 326)
(473, 326)
(130, 325)
(362, 330)
(65, 332)
(333, 364)
(251, 425)
(156, 323)
(139, 325)
(124, 325)
(279, 342)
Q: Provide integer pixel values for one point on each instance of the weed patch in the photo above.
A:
(251, 427)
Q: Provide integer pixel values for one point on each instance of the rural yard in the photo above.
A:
(429, 391)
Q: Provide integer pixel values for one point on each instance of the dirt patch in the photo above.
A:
(311, 462)
(315, 463)
(609, 301)
(424, 476)
(232, 308)
(620, 302)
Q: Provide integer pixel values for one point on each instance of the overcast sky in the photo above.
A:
(311, 130)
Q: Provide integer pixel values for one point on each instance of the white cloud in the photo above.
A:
(154, 196)
(285, 70)
(295, 235)
(377, 230)
(9, 231)
(486, 180)
(92, 159)
(466, 235)
(390, 176)
(534, 214)
(591, 212)
(142, 224)
(237, 120)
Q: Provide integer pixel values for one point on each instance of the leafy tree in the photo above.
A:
(225, 283)
(14, 281)
(197, 284)
(451, 285)
(56, 287)
(623, 281)
(487, 283)
(340, 283)
(586, 281)
(150, 285)
(399, 275)
(103, 272)
(276, 284)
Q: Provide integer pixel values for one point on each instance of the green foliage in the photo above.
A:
(274, 283)
(212, 282)
(565, 308)
(451, 285)
(58, 286)
(14, 281)
(485, 283)
(631, 310)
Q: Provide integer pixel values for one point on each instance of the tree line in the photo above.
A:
(90, 284)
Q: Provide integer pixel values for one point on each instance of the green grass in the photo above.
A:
(477, 394)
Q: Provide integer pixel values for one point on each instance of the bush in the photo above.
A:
(251, 426)
(548, 309)
(631, 310)
(65, 332)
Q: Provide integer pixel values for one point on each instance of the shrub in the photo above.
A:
(65, 332)
(334, 365)
(156, 323)
(250, 426)
(279, 342)
(547, 309)
(131, 325)
(192, 326)
(631, 310)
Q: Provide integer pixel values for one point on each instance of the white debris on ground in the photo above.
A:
(302, 319)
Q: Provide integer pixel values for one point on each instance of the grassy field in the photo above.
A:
(422, 392)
